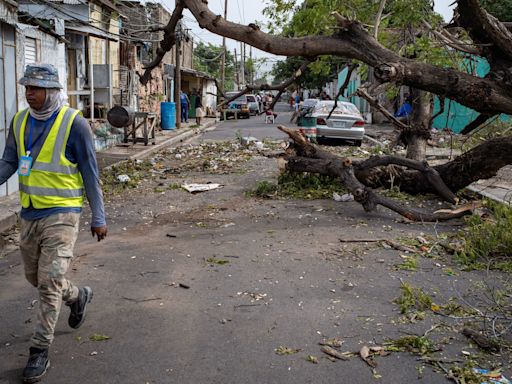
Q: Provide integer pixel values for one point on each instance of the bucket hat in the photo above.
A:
(41, 75)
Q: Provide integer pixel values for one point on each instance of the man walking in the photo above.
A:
(185, 102)
(51, 147)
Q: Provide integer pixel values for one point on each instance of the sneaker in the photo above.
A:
(77, 315)
(37, 365)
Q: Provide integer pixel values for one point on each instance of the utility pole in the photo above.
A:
(251, 76)
(242, 64)
(237, 73)
(177, 75)
(223, 62)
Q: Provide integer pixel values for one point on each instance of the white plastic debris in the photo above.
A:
(343, 198)
(123, 178)
(193, 188)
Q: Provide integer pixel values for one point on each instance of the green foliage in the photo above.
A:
(282, 350)
(98, 337)
(413, 298)
(321, 71)
(214, 260)
(299, 186)
(420, 345)
(502, 9)
(410, 264)
(265, 189)
(488, 239)
(398, 32)
(207, 58)
(411, 13)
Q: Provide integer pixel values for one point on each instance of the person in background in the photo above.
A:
(199, 108)
(405, 110)
(185, 103)
(51, 146)
(260, 104)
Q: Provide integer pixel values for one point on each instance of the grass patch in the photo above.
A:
(487, 241)
(305, 186)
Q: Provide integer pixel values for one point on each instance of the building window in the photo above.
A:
(30, 50)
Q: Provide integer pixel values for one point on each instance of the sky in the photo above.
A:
(249, 11)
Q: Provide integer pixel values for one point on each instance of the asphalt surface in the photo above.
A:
(255, 126)
(204, 288)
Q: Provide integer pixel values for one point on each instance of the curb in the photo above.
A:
(189, 132)
(13, 209)
(9, 221)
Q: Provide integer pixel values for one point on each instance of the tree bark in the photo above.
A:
(353, 42)
(418, 133)
(312, 159)
(481, 162)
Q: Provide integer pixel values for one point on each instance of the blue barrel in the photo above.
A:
(168, 113)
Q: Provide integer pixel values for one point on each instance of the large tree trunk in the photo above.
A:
(418, 133)
(482, 162)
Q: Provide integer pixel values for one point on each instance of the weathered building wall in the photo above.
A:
(98, 49)
(49, 51)
(8, 76)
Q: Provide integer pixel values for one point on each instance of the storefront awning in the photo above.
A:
(90, 30)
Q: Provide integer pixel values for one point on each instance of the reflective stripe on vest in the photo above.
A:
(42, 191)
(53, 181)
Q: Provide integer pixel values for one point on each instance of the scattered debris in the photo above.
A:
(481, 340)
(98, 337)
(282, 350)
(334, 353)
(141, 300)
(312, 359)
(335, 343)
(195, 188)
(364, 353)
(254, 296)
(495, 377)
(170, 235)
(32, 304)
(214, 260)
(123, 178)
(342, 198)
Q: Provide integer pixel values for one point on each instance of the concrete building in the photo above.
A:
(90, 30)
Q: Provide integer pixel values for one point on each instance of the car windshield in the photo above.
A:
(325, 107)
(251, 99)
(241, 99)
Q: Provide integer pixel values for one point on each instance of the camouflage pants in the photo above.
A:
(47, 250)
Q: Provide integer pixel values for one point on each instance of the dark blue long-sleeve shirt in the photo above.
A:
(79, 150)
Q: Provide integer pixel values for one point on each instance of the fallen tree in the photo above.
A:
(491, 95)
(304, 156)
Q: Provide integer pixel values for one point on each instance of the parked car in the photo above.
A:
(239, 103)
(254, 107)
(346, 122)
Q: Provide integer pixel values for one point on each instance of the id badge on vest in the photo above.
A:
(25, 165)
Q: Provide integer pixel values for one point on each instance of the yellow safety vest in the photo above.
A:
(53, 181)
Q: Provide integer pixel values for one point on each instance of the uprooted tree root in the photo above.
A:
(304, 156)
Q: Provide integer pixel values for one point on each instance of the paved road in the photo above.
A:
(255, 126)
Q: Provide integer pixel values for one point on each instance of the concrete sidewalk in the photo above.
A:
(10, 207)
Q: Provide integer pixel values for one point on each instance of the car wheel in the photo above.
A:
(358, 143)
